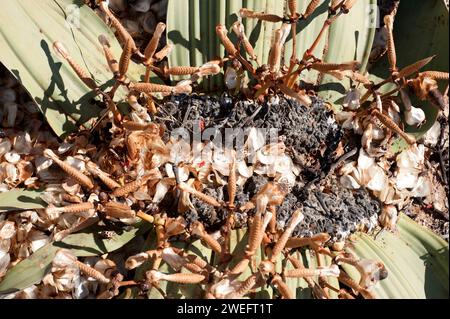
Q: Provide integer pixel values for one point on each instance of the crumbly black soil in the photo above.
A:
(338, 211)
(311, 136)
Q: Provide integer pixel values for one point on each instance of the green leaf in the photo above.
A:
(307, 31)
(416, 259)
(350, 38)
(399, 145)
(191, 26)
(31, 270)
(423, 26)
(172, 290)
(20, 199)
(27, 32)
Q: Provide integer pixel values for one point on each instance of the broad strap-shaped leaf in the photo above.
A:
(31, 270)
(191, 27)
(20, 199)
(172, 290)
(350, 38)
(27, 32)
(416, 259)
(421, 30)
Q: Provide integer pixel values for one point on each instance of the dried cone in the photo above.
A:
(91, 272)
(120, 29)
(435, 75)
(282, 287)
(232, 184)
(348, 5)
(348, 281)
(332, 271)
(70, 170)
(256, 233)
(305, 241)
(245, 287)
(240, 267)
(74, 208)
(118, 210)
(203, 197)
(149, 88)
(164, 52)
(275, 52)
(324, 67)
(153, 44)
(392, 55)
(312, 6)
(199, 230)
(71, 198)
(221, 31)
(151, 106)
(296, 219)
(81, 73)
(131, 187)
(194, 259)
(182, 70)
(246, 13)
(238, 29)
(292, 4)
(193, 268)
(389, 123)
(299, 265)
(180, 278)
(110, 59)
(125, 59)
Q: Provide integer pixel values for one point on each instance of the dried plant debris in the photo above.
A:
(310, 133)
(323, 177)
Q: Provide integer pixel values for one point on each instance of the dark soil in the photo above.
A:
(336, 211)
(308, 132)
(311, 137)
